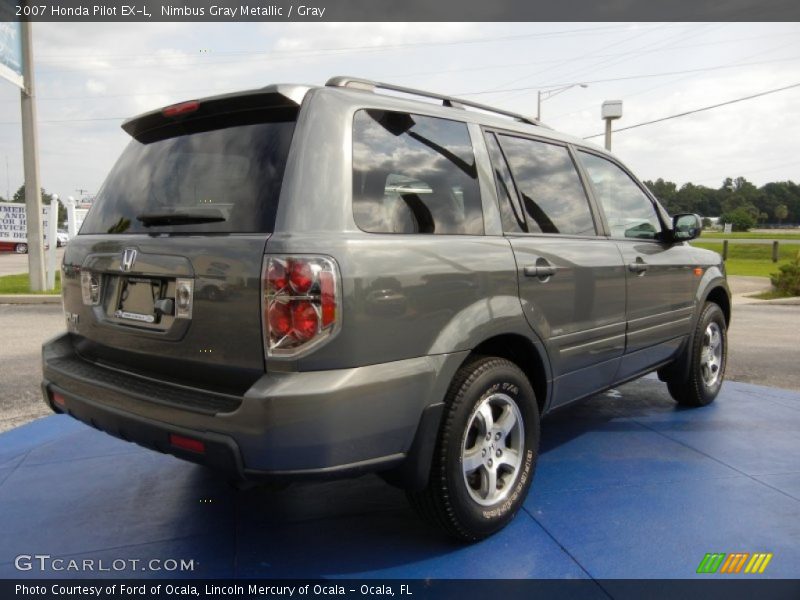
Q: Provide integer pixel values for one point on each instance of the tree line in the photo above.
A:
(736, 201)
(47, 198)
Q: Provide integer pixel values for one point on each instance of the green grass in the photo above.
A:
(752, 259)
(18, 284)
(784, 235)
(772, 295)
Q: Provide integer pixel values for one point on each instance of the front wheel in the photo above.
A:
(21, 248)
(486, 452)
(707, 359)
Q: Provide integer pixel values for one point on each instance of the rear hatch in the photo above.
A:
(164, 279)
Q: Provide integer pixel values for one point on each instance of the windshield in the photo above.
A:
(220, 181)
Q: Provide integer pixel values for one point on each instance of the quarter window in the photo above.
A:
(510, 210)
(549, 186)
(414, 174)
(629, 211)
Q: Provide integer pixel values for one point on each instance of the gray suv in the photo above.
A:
(297, 282)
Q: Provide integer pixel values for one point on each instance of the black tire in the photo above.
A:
(703, 382)
(21, 248)
(492, 384)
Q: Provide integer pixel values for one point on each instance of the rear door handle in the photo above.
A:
(540, 270)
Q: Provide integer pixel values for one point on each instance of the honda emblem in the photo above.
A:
(128, 258)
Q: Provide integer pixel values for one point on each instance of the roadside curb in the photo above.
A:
(745, 299)
(30, 298)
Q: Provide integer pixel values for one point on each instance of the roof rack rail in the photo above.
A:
(370, 86)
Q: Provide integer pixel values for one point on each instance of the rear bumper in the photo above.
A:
(288, 425)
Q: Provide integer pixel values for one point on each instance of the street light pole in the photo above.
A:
(539, 105)
(543, 95)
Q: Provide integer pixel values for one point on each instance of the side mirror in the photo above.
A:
(686, 227)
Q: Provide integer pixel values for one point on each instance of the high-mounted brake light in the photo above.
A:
(183, 108)
(301, 303)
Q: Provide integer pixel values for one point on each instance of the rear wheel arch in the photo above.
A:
(527, 355)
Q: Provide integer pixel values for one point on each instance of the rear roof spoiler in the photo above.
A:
(158, 124)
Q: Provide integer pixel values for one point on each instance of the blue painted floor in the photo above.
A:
(628, 486)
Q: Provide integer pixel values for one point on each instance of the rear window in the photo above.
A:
(232, 175)
(414, 174)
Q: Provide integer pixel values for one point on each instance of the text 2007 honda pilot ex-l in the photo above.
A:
(299, 281)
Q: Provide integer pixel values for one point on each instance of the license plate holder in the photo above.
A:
(137, 298)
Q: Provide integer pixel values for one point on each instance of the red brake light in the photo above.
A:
(280, 319)
(301, 303)
(59, 399)
(301, 276)
(276, 277)
(181, 109)
(185, 443)
(305, 320)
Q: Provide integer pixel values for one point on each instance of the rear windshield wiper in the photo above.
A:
(179, 218)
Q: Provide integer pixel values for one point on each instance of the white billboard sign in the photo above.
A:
(14, 222)
(11, 52)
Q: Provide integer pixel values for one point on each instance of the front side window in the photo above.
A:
(549, 186)
(414, 174)
(629, 211)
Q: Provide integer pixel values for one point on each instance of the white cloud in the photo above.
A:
(90, 71)
(93, 86)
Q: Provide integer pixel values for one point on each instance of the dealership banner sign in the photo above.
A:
(14, 221)
(11, 53)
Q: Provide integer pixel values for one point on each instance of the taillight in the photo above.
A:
(301, 303)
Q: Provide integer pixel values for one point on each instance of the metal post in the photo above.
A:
(775, 251)
(30, 152)
(72, 226)
(724, 249)
(52, 241)
(539, 105)
(608, 134)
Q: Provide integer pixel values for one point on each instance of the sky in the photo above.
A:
(89, 77)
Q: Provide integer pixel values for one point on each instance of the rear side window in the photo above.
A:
(226, 180)
(414, 174)
(549, 186)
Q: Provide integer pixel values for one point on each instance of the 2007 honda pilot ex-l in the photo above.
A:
(304, 281)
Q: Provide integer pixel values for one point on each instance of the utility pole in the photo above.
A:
(8, 182)
(610, 111)
(30, 152)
